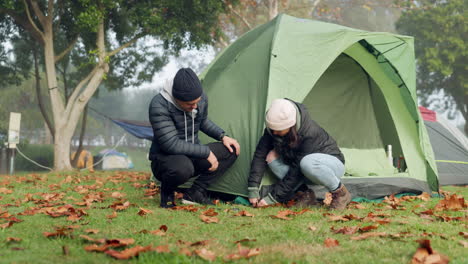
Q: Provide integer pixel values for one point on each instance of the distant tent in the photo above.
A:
(113, 160)
(450, 148)
(358, 85)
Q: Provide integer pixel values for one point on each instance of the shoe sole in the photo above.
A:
(188, 202)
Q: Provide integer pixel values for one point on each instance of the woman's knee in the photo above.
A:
(310, 163)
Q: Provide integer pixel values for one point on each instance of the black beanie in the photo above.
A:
(186, 86)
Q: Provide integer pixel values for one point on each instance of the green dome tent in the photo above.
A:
(358, 85)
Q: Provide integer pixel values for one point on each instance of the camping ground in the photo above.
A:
(113, 217)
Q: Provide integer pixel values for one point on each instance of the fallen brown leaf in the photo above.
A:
(127, 253)
(5, 190)
(205, 254)
(426, 255)
(313, 228)
(452, 202)
(245, 240)
(424, 196)
(185, 251)
(113, 215)
(117, 195)
(96, 248)
(144, 211)
(370, 234)
(210, 212)
(243, 252)
(464, 234)
(244, 213)
(463, 243)
(90, 239)
(209, 219)
(330, 242)
(347, 230)
(13, 239)
(368, 228)
(190, 208)
(92, 231)
(161, 249)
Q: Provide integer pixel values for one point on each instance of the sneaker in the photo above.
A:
(196, 196)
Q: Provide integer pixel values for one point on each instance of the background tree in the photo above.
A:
(440, 29)
(105, 31)
(373, 15)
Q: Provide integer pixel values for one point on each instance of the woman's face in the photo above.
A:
(280, 133)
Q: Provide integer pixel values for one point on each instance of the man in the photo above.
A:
(176, 115)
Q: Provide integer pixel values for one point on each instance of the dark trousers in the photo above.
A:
(174, 170)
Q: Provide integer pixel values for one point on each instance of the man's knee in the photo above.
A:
(178, 170)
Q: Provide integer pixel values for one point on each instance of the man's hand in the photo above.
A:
(272, 155)
(213, 161)
(228, 142)
(253, 201)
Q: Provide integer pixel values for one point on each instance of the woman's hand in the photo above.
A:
(262, 203)
(272, 155)
(253, 201)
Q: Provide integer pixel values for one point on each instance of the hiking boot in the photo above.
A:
(196, 195)
(167, 196)
(306, 199)
(340, 198)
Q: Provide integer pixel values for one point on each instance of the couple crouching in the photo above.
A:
(293, 146)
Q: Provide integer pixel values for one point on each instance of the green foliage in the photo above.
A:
(440, 29)
(42, 154)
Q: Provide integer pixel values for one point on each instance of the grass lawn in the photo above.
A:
(57, 218)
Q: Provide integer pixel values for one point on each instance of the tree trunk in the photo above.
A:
(82, 133)
(66, 119)
(38, 94)
(48, 139)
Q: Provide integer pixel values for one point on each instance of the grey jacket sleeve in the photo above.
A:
(165, 135)
(207, 126)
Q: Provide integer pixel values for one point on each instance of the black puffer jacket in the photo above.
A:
(176, 132)
(313, 139)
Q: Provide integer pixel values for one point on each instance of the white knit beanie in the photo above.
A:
(281, 115)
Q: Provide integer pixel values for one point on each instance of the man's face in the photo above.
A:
(188, 106)
(280, 133)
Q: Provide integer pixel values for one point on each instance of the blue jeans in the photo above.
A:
(322, 169)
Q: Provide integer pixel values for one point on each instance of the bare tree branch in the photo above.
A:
(50, 10)
(25, 24)
(130, 42)
(67, 50)
(315, 4)
(38, 12)
(79, 86)
(241, 17)
(34, 26)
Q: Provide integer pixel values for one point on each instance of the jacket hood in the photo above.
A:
(167, 93)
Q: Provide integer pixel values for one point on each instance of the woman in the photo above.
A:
(296, 148)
